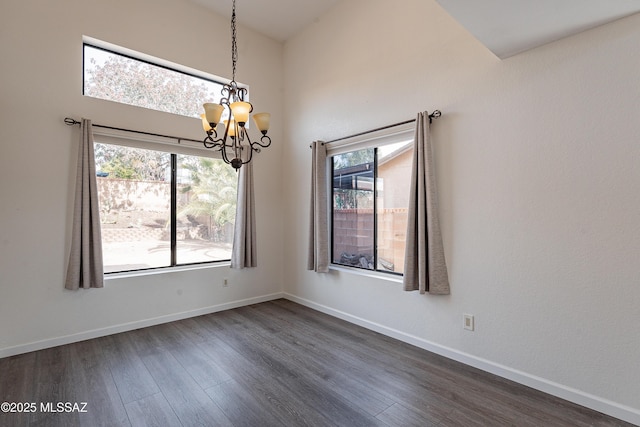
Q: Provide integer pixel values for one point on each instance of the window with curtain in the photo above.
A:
(162, 205)
(370, 178)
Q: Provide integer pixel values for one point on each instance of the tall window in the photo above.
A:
(370, 197)
(148, 83)
(162, 209)
(160, 205)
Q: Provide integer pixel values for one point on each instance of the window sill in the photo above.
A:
(361, 272)
(164, 270)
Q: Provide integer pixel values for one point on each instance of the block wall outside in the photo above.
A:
(392, 231)
(353, 234)
(137, 210)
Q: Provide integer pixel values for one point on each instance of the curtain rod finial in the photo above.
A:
(434, 115)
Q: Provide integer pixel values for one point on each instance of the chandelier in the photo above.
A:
(236, 137)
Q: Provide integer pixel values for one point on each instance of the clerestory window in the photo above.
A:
(136, 79)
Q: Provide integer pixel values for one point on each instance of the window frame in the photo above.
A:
(372, 139)
(173, 147)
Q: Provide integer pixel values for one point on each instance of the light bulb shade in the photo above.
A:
(205, 123)
(262, 121)
(241, 112)
(213, 112)
(231, 126)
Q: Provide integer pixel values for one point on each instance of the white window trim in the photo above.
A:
(377, 138)
(374, 274)
(145, 141)
(165, 270)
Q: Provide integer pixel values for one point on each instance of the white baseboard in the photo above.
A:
(124, 327)
(596, 403)
(622, 412)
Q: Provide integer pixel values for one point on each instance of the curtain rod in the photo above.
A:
(71, 122)
(434, 115)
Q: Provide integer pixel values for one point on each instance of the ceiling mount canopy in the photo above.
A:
(236, 136)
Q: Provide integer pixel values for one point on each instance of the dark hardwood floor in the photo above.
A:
(271, 364)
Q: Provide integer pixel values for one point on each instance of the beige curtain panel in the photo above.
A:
(85, 268)
(244, 252)
(425, 268)
(318, 259)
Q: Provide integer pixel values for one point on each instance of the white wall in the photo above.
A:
(537, 162)
(41, 83)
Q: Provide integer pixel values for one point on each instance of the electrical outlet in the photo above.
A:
(467, 322)
(225, 283)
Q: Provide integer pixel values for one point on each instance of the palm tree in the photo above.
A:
(211, 190)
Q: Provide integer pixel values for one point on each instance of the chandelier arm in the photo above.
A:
(268, 138)
(222, 142)
(212, 140)
(237, 148)
(223, 150)
(249, 157)
(242, 92)
(226, 92)
(263, 143)
(249, 142)
(208, 142)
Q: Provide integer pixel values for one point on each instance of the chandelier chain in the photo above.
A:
(234, 45)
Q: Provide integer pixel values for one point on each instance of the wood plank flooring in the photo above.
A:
(271, 364)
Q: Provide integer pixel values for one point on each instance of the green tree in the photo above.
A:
(129, 81)
(212, 191)
(351, 198)
(132, 163)
(138, 83)
(353, 158)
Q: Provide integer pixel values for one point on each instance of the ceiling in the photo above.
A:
(506, 27)
(278, 19)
